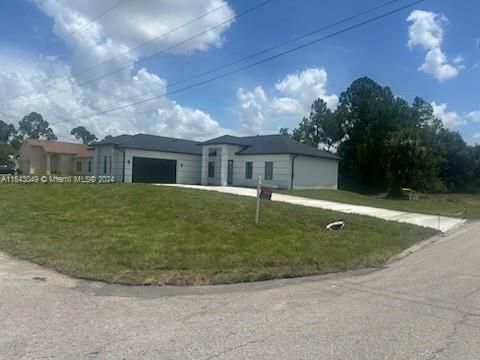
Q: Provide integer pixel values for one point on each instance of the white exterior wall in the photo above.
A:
(224, 153)
(204, 170)
(215, 180)
(189, 166)
(114, 167)
(281, 167)
(312, 172)
(281, 170)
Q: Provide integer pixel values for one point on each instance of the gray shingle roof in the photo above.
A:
(252, 145)
(270, 144)
(230, 140)
(155, 143)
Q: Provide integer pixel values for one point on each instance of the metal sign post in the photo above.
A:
(263, 193)
(259, 186)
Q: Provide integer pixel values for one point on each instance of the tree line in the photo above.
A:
(387, 143)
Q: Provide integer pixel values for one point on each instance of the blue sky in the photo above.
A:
(258, 100)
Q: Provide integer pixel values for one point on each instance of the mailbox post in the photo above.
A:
(257, 212)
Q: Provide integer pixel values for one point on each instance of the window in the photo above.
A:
(110, 167)
(211, 169)
(105, 165)
(79, 166)
(268, 170)
(89, 166)
(248, 170)
(212, 153)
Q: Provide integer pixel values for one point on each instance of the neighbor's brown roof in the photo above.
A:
(59, 147)
(87, 153)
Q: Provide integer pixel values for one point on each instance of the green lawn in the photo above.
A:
(459, 205)
(143, 234)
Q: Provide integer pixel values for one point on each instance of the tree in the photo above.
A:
(367, 113)
(303, 132)
(34, 126)
(410, 163)
(476, 171)
(107, 138)
(81, 133)
(6, 151)
(321, 127)
(285, 132)
(7, 132)
(386, 143)
(423, 112)
(457, 161)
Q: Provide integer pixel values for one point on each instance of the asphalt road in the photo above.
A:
(424, 306)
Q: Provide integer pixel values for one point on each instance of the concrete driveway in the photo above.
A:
(425, 306)
(442, 223)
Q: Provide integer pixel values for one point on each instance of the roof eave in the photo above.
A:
(221, 143)
(150, 149)
(330, 157)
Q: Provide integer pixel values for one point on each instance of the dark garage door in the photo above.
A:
(147, 170)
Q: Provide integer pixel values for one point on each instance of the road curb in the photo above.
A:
(420, 245)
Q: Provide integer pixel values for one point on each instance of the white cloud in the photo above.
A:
(185, 122)
(436, 64)
(252, 105)
(426, 31)
(126, 26)
(476, 138)
(453, 119)
(450, 119)
(286, 105)
(306, 86)
(296, 92)
(163, 116)
(257, 113)
(135, 22)
(474, 116)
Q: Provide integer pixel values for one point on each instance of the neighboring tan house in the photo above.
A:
(55, 157)
(224, 161)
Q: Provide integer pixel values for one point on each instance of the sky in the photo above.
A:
(87, 62)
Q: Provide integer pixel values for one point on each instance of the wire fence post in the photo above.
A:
(257, 212)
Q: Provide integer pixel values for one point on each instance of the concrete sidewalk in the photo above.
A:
(442, 223)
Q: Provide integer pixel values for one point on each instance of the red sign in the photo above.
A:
(266, 193)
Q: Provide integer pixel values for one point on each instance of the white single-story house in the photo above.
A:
(224, 161)
(55, 157)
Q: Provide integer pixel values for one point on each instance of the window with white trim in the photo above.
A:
(268, 170)
(249, 170)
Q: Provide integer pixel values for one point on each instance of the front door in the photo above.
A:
(230, 172)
